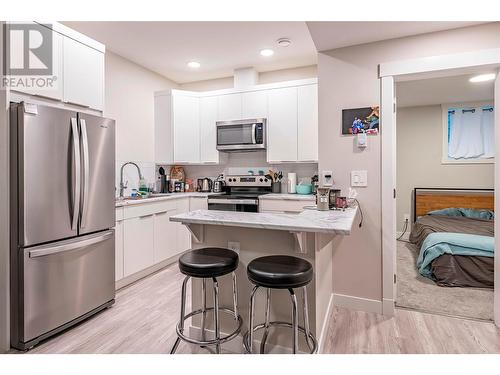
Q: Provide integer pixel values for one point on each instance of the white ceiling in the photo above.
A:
(331, 35)
(220, 47)
(455, 89)
(165, 47)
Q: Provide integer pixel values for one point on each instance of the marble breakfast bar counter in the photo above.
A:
(311, 235)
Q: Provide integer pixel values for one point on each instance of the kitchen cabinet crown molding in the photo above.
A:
(261, 87)
(73, 34)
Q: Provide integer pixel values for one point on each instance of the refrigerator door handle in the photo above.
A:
(76, 189)
(86, 173)
(44, 250)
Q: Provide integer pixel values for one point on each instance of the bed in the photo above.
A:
(454, 232)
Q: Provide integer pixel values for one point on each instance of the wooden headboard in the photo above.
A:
(430, 199)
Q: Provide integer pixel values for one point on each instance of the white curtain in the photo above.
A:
(488, 130)
(471, 134)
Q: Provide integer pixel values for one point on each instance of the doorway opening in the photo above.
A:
(467, 63)
(445, 203)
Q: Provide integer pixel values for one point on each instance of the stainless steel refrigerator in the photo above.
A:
(62, 215)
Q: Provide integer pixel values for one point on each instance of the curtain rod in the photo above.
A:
(472, 110)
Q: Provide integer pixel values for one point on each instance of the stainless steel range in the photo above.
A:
(242, 194)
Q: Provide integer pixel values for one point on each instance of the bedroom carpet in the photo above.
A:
(417, 292)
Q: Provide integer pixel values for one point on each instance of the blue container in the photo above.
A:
(304, 189)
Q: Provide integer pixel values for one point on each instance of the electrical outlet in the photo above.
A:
(235, 246)
(407, 217)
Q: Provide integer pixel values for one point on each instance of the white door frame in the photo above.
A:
(440, 65)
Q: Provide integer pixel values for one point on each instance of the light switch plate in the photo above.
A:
(326, 178)
(359, 178)
(362, 140)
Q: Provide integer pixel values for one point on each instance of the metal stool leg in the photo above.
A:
(295, 321)
(306, 316)
(251, 313)
(204, 307)
(216, 314)
(235, 297)
(183, 312)
(266, 327)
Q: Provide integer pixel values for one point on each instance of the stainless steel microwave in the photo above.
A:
(241, 135)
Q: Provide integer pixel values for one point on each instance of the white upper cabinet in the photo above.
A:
(208, 134)
(55, 93)
(83, 69)
(77, 65)
(164, 151)
(186, 120)
(282, 125)
(307, 123)
(254, 104)
(229, 107)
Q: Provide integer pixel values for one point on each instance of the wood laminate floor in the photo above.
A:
(145, 313)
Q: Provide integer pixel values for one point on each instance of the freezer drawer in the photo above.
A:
(65, 280)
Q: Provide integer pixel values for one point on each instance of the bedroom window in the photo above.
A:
(468, 133)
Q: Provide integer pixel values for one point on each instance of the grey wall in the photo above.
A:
(419, 150)
(348, 78)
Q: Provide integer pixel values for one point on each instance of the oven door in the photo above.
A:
(241, 135)
(234, 205)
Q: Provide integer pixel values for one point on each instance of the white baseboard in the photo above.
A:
(388, 307)
(324, 328)
(357, 303)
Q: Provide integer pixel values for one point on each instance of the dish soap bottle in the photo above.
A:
(143, 186)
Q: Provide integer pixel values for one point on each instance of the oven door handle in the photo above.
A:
(252, 202)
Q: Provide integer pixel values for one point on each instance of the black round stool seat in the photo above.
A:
(208, 262)
(280, 272)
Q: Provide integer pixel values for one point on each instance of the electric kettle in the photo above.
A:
(206, 185)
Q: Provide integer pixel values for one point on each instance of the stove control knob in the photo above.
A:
(265, 180)
(261, 180)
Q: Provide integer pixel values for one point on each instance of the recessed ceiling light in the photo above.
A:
(194, 64)
(284, 42)
(483, 78)
(267, 52)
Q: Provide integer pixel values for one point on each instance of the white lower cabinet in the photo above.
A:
(165, 236)
(138, 244)
(145, 236)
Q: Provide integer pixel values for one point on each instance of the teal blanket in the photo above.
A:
(437, 244)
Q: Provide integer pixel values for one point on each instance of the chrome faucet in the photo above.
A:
(124, 185)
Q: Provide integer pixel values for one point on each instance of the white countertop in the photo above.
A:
(129, 202)
(336, 222)
(291, 197)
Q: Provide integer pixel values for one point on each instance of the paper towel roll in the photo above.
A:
(292, 182)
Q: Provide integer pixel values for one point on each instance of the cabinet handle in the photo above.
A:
(46, 97)
(78, 104)
(144, 216)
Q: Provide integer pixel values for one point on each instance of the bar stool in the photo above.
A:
(208, 263)
(280, 272)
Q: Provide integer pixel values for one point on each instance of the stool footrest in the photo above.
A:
(311, 341)
(222, 339)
